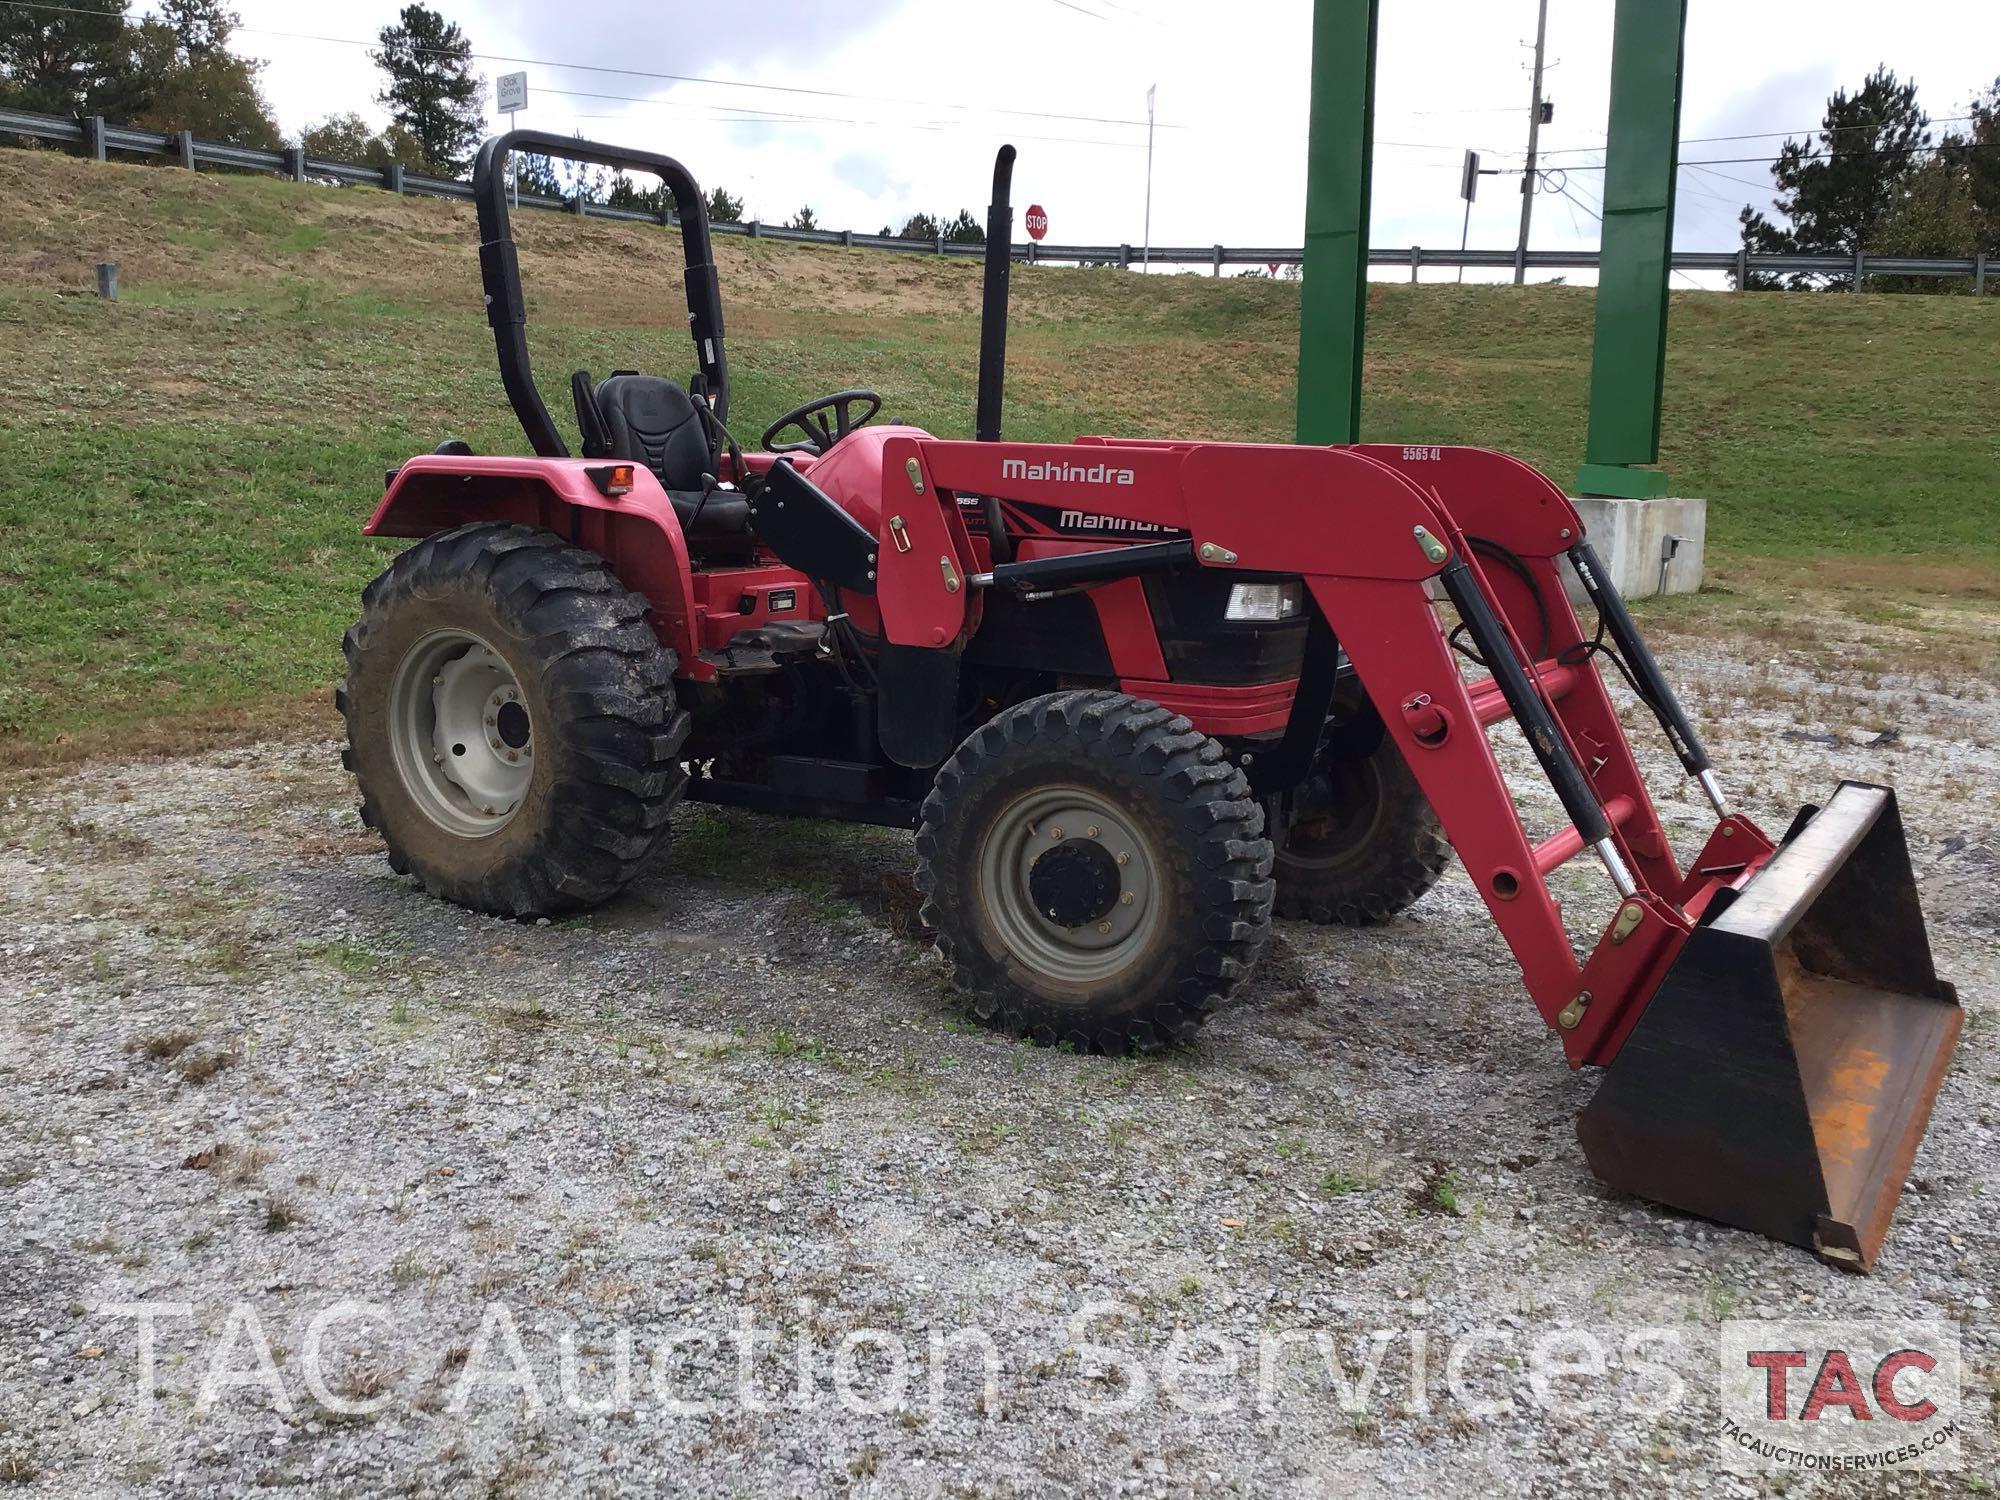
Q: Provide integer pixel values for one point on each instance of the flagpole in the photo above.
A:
(1146, 246)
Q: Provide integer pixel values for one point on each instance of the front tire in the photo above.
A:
(1360, 844)
(511, 721)
(1096, 872)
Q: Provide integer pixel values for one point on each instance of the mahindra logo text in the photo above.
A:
(1021, 468)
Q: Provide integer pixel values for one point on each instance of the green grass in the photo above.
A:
(188, 468)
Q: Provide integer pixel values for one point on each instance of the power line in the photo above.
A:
(1727, 161)
(1763, 187)
(1759, 135)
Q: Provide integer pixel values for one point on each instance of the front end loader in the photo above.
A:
(1132, 695)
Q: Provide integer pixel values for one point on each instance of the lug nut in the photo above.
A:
(1126, 899)
(1104, 927)
(1125, 858)
(1056, 833)
(513, 755)
(1091, 832)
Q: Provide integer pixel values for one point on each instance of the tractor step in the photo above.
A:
(763, 649)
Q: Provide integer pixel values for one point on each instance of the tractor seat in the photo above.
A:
(652, 421)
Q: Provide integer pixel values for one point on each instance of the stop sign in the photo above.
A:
(1037, 221)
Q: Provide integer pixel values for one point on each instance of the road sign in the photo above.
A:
(510, 92)
(1036, 221)
(1469, 176)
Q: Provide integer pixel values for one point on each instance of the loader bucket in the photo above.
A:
(1782, 1075)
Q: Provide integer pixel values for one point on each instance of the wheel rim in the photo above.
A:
(1350, 820)
(1070, 884)
(463, 739)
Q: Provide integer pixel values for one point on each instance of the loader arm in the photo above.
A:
(1848, 1056)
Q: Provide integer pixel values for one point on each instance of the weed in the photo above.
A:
(162, 1046)
(200, 1067)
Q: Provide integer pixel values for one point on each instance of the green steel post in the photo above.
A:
(1629, 344)
(1334, 286)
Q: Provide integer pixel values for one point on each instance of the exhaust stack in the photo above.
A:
(993, 302)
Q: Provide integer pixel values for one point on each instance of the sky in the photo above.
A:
(870, 110)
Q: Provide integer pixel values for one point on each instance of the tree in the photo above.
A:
(347, 138)
(201, 28)
(69, 61)
(965, 230)
(804, 219)
(194, 82)
(723, 209)
(626, 194)
(1836, 191)
(1948, 204)
(170, 72)
(433, 91)
(919, 227)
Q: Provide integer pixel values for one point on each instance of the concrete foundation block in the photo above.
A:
(1635, 538)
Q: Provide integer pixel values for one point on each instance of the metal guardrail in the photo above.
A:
(97, 139)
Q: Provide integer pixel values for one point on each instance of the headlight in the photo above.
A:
(1265, 601)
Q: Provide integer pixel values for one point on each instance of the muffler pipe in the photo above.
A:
(993, 340)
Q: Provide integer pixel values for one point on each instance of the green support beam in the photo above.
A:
(1629, 344)
(1334, 285)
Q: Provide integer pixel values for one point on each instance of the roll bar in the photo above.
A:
(500, 270)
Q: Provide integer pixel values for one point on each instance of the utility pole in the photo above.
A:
(1535, 123)
(1146, 234)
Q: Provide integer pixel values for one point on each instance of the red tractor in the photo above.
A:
(1133, 696)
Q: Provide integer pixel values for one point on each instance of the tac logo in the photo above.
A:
(1836, 1397)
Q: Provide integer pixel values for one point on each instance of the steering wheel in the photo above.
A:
(819, 437)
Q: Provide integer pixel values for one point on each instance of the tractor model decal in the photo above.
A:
(1025, 518)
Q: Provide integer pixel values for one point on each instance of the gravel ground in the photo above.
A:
(250, 1074)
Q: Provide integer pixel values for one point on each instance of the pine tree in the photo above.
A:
(723, 209)
(433, 91)
(1837, 191)
(69, 61)
(804, 219)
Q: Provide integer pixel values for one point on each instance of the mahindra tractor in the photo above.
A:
(1135, 698)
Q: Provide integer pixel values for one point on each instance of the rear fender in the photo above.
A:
(638, 533)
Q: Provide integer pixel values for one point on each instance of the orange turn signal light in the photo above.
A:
(612, 480)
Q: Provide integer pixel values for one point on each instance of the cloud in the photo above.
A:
(682, 37)
(868, 173)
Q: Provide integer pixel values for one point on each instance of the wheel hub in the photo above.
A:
(1069, 883)
(1074, 883)
(464, 736)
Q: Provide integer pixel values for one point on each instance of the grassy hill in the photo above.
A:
(187, 467)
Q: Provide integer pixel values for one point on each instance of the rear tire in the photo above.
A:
(1096, 872)
(511, 721)
(1365, 846)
